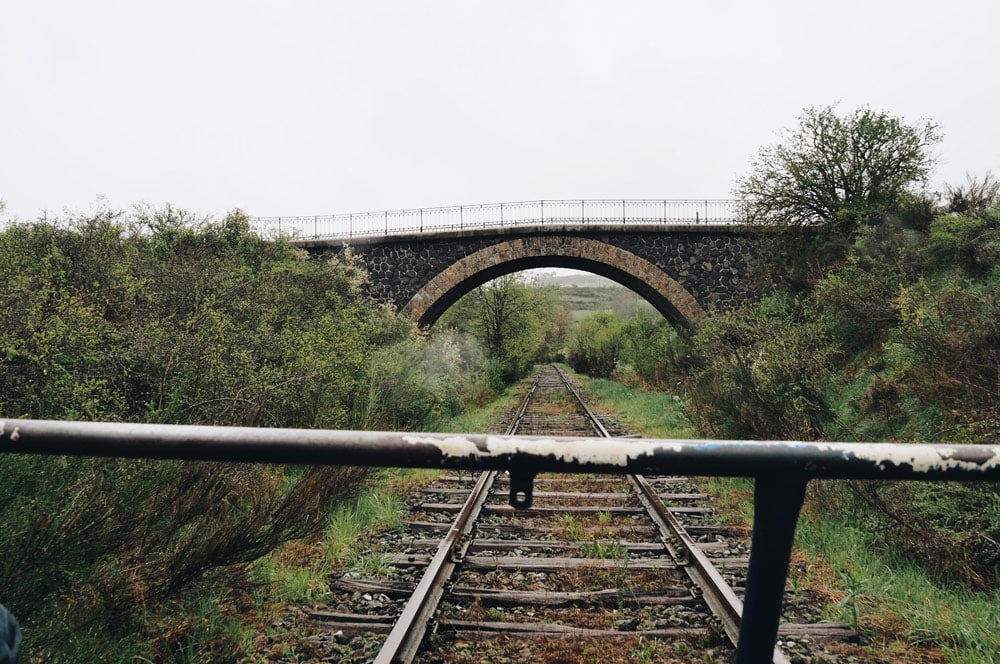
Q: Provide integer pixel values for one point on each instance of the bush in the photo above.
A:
(761, 374)
(157, 317)
(652, 349)
(596, 345)
(418, 380)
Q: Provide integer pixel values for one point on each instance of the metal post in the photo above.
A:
(501, 215)
(664, 210)
(315, 227)
(706, 212)
(461, 217)
(776, 505)
(583, 215)
(623, 211)
(279, 226)
(386, 222)
(543, 210)
(421, 220)
(350, 225)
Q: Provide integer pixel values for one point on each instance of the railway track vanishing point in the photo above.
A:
(622, 565)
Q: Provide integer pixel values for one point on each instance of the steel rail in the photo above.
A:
(403, 642)
(719, 597)
(717, 594)
(599, 427)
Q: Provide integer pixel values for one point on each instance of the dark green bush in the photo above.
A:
(157, 317)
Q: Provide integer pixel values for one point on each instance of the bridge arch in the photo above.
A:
(668, 296)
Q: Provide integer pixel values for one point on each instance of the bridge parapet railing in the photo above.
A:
(500, 215)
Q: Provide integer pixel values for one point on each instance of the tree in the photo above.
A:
(976, 197)
(516, 322)
(835, 173)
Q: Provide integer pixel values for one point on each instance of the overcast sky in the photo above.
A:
(284, 108)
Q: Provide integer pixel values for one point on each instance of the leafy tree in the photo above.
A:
(516, 322)
(829, 178)
(836, 172)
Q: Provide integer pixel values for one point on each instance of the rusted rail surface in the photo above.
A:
(402, 644)
(404, 640)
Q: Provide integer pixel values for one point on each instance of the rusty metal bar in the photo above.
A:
(780, 469)
(785, 459)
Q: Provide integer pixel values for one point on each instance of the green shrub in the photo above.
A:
(596, 345)
(158, 317)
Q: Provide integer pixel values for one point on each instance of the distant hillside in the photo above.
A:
(583, 294)
(576, 279)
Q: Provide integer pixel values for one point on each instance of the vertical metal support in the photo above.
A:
(623, 211)
(421, 220)
(583, 214)
(279, 226)
(315, 227)
(461, 217)
(706, 212)
(501, 215)
(350, 225)
(521, 489)
(664, 210)
(543, 210)
(386, 222)
(776, 506)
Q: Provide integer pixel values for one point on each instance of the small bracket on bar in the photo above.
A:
(521, 487)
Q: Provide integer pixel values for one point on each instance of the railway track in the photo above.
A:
(624, 567)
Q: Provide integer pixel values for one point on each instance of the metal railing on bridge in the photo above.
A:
(500, 215)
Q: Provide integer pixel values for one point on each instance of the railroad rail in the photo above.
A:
(548, 212)
(647, 572)
(781, 470)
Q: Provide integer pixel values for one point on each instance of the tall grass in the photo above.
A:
(652, 414)
(882, 590)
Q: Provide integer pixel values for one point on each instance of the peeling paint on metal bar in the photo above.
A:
(495, 452)
(614, 452)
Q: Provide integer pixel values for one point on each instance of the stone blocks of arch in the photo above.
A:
(664, 292)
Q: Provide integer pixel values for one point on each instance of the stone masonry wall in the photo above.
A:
(714, 266)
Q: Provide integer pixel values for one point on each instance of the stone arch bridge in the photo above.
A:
(685, 262)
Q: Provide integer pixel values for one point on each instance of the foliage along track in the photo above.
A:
(584, 574)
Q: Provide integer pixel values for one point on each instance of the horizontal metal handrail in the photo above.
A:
(599, 211)
(780, 470)
(496, 452)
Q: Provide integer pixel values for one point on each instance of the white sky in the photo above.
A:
(284, 108)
